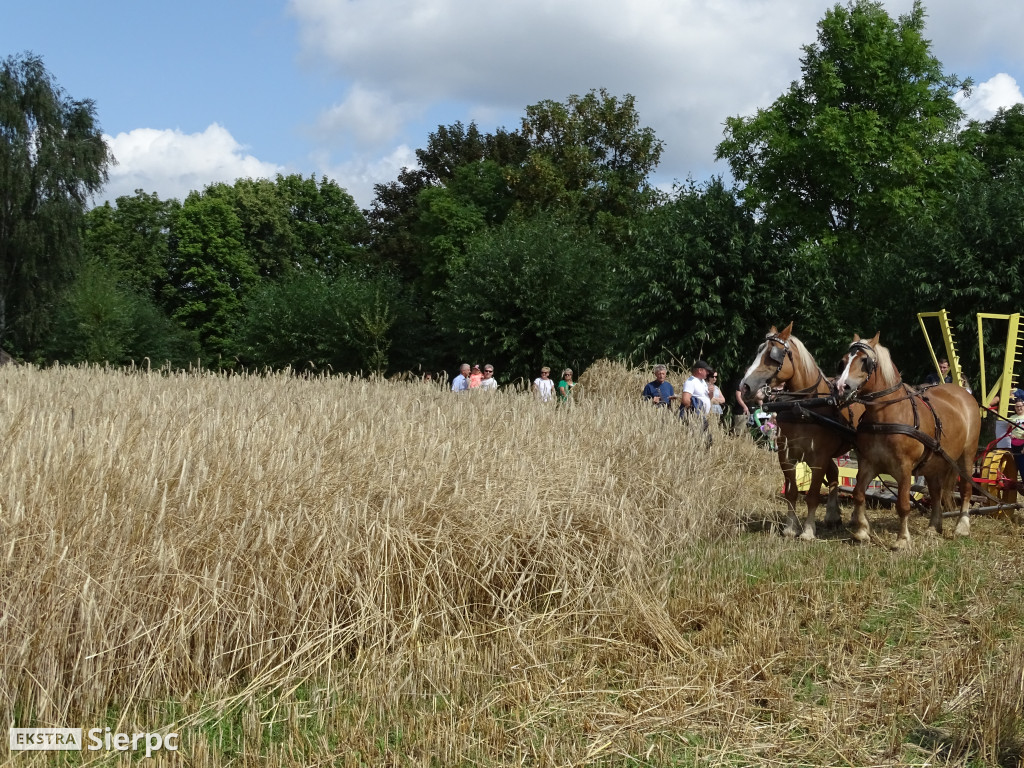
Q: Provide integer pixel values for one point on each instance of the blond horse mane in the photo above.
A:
(886, 370)
(808, 367)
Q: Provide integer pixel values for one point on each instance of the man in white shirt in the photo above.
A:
(461, 382)
(695, 389)
(488, 382)
(695, 400)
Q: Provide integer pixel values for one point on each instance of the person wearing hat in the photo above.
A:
(695, 390)
(694, 401)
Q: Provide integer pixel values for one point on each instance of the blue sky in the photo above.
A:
(190, 93)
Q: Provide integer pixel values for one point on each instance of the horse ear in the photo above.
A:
(773, 332)
(856, 337)
(874, 341)
(786, 331)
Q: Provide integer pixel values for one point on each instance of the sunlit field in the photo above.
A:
(333, 571)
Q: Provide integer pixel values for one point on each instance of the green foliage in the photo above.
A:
(310, 321)
(101, 321)
(591, 156)
(838, 163)
(295, 223)
(132, 239)
(52, 158)
(860, 139)
(698, 283)
(533, 292)
(209, 272)
(963, 254)
(997, 142)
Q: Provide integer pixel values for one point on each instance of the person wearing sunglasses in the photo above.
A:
(565, 386)
(716, 396)
(543, 386)
(488, 383)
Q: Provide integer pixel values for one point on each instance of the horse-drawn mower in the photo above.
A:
(997, 472)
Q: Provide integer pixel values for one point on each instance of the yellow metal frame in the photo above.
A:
(947, 340)
(1011, 359)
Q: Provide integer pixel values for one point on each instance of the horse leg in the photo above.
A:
(939, 489)
(903, 510)
(790, 491)
(833, 517)
(860, 528)
(963, 524)
(813, 498)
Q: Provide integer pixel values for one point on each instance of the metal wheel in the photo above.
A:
(999, 473)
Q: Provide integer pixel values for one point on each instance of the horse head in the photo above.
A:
(775, 364)
(860, 366)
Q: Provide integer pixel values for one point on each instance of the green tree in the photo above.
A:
(698, 280)
(209, 272)
(131, 238)
(533, 291)
(471, 165)
(965, 254)
(100, 320)
(330, 232)
(997, 142)
(52, 159)
(836, 165)
(864, 135)
(311, 321)
(293, 223)
(589, 155)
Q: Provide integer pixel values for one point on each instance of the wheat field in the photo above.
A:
(339, 571)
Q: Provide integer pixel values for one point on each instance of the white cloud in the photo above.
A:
(358, 174)
(999, 92)
(365, 118)
(689, 63)
(172, 164)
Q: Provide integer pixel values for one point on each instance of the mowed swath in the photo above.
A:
(168, 535)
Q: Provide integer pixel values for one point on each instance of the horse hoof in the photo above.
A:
(901, 545)
(789, 533)
(806, 536)
(932, 533)
(963, 529)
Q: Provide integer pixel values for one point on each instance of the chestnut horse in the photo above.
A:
(904, 432)
(816, 435)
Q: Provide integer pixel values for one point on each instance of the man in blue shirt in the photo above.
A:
(461, 382)
(659, 391)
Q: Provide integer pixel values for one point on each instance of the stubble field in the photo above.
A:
(335, 571)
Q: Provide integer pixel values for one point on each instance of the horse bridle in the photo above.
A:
(870, 363)
(778, 355)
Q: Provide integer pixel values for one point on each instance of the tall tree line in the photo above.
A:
(860, 196)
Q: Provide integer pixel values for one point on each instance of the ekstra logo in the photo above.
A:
(22, 739)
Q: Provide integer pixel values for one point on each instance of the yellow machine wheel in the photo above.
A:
(999, 471)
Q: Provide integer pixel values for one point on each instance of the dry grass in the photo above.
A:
(305, 571)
